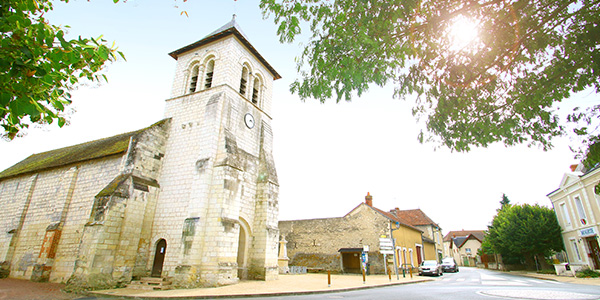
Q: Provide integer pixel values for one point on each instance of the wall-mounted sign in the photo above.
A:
(590, 231)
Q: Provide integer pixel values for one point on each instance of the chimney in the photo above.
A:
(573, 167)
(369, 199)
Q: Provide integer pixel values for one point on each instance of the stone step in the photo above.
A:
(150, 283)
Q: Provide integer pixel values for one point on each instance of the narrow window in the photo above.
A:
(194, 79)
(210, 67)
(255, 90)
(580, 210)
(244, 81)
(576, 249)
(565, 213)
(189, 230)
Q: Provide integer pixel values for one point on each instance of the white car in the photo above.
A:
(430, 267)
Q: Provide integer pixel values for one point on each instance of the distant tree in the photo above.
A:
(523, 232)
(502, 85)
(504, 202)
(39, 66)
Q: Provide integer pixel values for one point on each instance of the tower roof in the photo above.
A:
(228, 29)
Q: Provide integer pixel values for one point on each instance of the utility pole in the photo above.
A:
(395, 252)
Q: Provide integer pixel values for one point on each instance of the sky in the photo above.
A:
(328, 156)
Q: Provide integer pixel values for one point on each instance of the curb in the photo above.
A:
(252, 295)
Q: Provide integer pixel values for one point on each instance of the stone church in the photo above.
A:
(193, 197)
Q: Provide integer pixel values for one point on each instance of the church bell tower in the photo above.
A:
(216, 215)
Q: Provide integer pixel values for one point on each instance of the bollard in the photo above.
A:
(364, 279)
(410, 273)
(390, 274)
(328, 278)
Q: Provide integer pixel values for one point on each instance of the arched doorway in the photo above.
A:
(159, 258)
(242, 254)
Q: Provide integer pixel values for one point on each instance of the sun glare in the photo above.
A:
(463, 33)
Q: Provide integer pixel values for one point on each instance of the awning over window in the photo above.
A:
(347, 250)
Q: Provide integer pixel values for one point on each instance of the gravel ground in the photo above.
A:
(18, 289)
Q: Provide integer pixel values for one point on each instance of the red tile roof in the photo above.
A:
(413, 217)
(479, 234)
(389, 216)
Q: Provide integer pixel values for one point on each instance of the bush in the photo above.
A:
(4, 269)
(587, 273)
(547, 271)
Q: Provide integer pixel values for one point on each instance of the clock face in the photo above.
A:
(249, 120)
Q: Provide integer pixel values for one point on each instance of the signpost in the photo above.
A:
(386, 246)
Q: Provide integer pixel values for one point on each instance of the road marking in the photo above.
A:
(537, 294)
(503, 283)
(490, 277)
(536, 281)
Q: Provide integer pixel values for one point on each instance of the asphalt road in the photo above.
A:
(470, 284)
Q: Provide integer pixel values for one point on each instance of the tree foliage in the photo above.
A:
(39, 65)
(500, 87)
(523, 231)
(504, 202)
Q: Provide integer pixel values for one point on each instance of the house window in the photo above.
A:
(244, 81)
(399, 256)
(565, 213)
(580, 210)
(256, 91)
(576, 249)
(194, 78)
(210, 67)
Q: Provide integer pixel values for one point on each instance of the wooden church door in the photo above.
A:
(159, 258)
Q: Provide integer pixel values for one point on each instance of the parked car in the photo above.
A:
(449, 265)
(430, 267)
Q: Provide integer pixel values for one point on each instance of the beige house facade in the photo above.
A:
(463, 246)
(192, 198)
(432, 232)
(577, 207)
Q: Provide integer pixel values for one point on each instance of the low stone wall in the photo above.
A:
(317, 262)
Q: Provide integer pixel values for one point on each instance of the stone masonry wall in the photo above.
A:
(326, 236)
(41, 200)
(116, 239)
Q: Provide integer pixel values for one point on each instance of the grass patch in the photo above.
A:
(587, 273)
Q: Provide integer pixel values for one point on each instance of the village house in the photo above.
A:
(576, 204)
(338, 244)
(432, 232)
(192, 198)
(463, 246)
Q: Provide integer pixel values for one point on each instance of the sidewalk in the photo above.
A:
(286, 284)
(565, 279)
